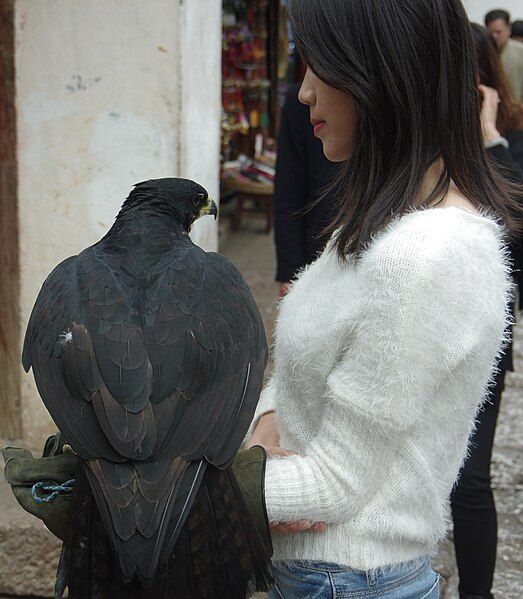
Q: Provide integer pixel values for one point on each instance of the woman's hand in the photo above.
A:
(489, 113)
(266, 434)
(276, 450)
(300, 526)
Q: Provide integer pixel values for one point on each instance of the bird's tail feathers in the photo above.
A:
(217, 552)
(220, 554)
(144, 507)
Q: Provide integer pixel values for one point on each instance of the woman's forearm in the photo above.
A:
(265, 432)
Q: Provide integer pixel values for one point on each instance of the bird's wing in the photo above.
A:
(208, 351)
(48, 335)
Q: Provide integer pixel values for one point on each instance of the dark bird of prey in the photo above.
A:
(149, 354)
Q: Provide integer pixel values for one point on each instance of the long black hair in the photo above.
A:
(411, 69)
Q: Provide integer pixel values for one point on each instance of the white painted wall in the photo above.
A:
(201, 60)
(109, 93)
(477, 9)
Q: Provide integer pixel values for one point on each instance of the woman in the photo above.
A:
(386, 344)
(502, 115)
(473, 507)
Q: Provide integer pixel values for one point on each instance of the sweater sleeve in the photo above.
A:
(424, 313)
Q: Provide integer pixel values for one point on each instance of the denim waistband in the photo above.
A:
(414, 565)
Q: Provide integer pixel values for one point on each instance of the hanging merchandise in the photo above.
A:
(250, 99)
(254, 119)
(264, 121)
(245, 71)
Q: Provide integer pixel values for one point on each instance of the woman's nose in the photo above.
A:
(306, 94)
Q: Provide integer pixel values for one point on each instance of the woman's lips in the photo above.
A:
(318, 127)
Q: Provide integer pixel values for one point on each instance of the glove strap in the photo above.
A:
(53, 490)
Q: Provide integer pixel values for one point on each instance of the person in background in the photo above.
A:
(472, 501)
(517, 31)
(502, 121)
(511, 51)
(302, 171)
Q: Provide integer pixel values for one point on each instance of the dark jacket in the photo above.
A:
(510, 161)
(301, 172)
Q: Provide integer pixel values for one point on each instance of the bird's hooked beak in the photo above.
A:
(210, 208)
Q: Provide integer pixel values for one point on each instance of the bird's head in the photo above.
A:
(182, 199)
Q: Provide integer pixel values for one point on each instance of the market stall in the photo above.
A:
(258, 64)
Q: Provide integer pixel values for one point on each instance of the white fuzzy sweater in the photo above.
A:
(380, 368)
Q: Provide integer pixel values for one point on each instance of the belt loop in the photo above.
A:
(372, 577)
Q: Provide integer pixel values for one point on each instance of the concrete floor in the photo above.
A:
(253, 253)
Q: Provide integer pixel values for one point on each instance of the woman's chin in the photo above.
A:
(334, 154)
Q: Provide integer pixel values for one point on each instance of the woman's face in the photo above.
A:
(333, 116)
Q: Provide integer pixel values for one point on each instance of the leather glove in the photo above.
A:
(23, 471)
(58, 465)
(249, 471)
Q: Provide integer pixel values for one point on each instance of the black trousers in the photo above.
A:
(473, 507)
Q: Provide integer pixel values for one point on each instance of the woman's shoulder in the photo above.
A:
(451, 225)
(424, 239)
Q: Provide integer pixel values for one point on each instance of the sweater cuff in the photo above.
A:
(498, 141)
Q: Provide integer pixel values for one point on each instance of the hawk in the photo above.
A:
(149, 354)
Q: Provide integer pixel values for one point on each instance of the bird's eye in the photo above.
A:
(200, 197)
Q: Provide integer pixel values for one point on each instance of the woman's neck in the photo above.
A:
(450, 197)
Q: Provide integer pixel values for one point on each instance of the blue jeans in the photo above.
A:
(320, 580)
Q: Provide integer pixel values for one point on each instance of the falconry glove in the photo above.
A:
(58, 465)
